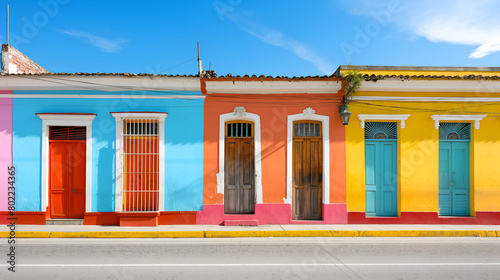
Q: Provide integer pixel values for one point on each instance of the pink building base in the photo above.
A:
(268, 213)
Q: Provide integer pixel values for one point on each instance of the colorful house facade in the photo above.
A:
(421, 145)
(145, 150)
(105, 149)
(274, 151)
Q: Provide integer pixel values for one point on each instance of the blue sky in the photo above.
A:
(291, 38)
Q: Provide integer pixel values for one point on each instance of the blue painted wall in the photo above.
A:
(183, 146)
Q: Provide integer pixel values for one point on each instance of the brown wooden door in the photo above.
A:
(307, 175)
(67, 179)
(239, 178)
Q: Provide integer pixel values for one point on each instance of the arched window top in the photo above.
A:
(454, 131)
(381, 130)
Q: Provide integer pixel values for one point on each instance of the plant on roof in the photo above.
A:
(354, 81)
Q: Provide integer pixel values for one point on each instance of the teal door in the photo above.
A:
(381, 169)
(454, 169)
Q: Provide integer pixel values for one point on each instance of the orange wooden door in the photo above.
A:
(67, 179)
(307, 173)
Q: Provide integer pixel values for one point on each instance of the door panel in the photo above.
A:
(239, 190)
(314, 170)
(231, 177)
(57, 173)
(315, 204)
(445, 179)
(247, 181)
(388, 195)
(76, 179)
(370, 178)
(307, 178)
(381, 178)
(454, 178)
(388, 169)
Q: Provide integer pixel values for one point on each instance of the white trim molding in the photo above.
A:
(104, 96)
(143, 83)
(425, 99)
(273, 87)
(308, 114)
(465, 118)
(416, 85)
(119, 159)
(69, 119)
(240, 113)
(383, 117)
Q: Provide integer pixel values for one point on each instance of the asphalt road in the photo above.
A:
(254, 258)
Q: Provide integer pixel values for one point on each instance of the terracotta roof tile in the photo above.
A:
(231, 76)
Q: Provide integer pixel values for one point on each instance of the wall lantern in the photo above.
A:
(344, 114)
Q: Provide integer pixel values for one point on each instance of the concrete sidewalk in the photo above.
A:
(211, 231)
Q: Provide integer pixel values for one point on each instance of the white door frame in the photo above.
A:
(240, 114)
(308, 114)
(52, 119)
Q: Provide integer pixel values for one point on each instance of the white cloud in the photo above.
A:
(484, 50)
(463, 22)
(103, 44)
(277, 38)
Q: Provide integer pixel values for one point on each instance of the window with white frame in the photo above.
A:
(139, 153)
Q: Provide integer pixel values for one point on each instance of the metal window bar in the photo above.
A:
(306, 130)
(141, 161)
(239, 130)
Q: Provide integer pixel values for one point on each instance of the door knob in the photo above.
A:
(451, 184)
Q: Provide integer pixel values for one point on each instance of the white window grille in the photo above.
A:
(139, 162)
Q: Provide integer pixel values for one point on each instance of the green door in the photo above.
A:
(381, 169)
(454, 169)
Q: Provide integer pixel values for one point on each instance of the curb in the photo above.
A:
(253, 233)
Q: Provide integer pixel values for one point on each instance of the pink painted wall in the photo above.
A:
(270, 213)
(5, 145)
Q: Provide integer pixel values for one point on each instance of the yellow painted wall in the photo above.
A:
(418, 153)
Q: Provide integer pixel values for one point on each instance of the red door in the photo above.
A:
(67, 178)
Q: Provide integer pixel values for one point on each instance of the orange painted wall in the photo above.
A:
(273, 110)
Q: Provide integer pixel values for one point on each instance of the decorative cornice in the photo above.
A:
(382, 117)
(272, 87)
(465, 118)
(67, 117)
(308, 112)
(240, 112)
